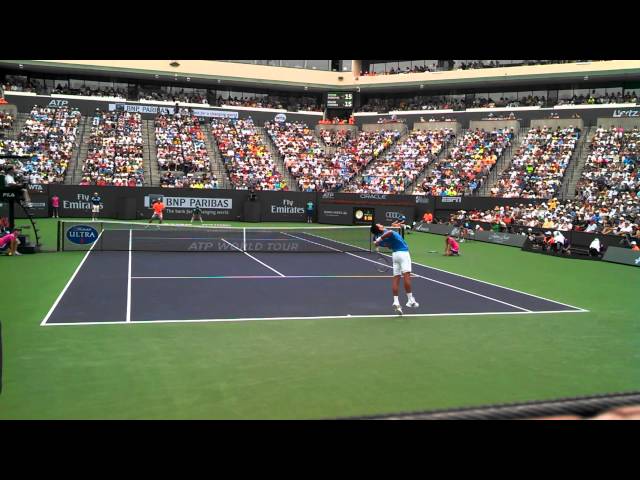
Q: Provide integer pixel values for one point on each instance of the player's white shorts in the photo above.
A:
(95, 208)
(156, 215)
(401, 263)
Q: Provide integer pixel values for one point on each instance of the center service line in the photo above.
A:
(251, 256)
(129, 278)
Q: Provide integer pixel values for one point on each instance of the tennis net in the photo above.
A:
(133, 236)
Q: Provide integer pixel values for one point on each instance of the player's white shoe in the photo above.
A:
(412, 304)
(397, 308)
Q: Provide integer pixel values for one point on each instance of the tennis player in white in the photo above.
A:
(401, 263)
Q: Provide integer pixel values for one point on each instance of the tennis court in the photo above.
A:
(134, 273)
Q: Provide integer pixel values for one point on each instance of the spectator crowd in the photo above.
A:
(6, 123)
(115, 151)
(400, 167)
(537, 168)
(181, 96)
(468, 163)
(246, 156)
(46, 141)
(317, 170)
(182, 153)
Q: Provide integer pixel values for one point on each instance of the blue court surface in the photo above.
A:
(133, 286)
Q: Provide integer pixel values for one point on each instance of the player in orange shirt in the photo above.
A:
(158, 208)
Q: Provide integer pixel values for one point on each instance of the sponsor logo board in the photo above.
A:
(82, 234)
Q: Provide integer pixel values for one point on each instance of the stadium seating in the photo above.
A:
(537, 168)
(396, 170)
(115, 155)
(317, 170)
(182, 152)
(182, 96)
(468, 163)
(246, 156)
(335, 138)
(48, 137)
(610, 182)
(607, 194)
(6, 122)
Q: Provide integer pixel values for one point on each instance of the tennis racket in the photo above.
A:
(383, 264)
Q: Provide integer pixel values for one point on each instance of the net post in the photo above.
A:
(58, 238)
(101, 236)
(244, 239)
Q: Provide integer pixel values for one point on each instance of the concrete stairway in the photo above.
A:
(412, 187)
(150, 155)
(217, 164)
(291, 181)
(81, 149)
(357, 179)
(502, 165)
(576, 165)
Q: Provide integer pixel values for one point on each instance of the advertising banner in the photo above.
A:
(179, 204)
(437, 228)
(199, 112)
(75, 200)
(389, 214)
(39, 205)
(513, 240)
(363, 215)
(285, 206)
(153, 109)
(335, 214)
(77, 236)
(622, 255)
(367, 199)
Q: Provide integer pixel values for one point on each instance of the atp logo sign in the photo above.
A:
(58, 103)
(637, 261)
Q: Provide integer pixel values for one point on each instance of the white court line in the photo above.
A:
(427, 278)
(129, 278)
(251, 256)
(64, 290)
(463, 276)
(218, 320)
(251, 277)
(209, 238)
(500, 286)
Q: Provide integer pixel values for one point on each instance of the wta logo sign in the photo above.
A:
(82, 234)
(280, 118)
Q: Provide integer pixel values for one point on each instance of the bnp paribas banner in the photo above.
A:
(179, 205)
(155, 109)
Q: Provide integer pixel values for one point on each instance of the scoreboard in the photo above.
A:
(340, 100)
